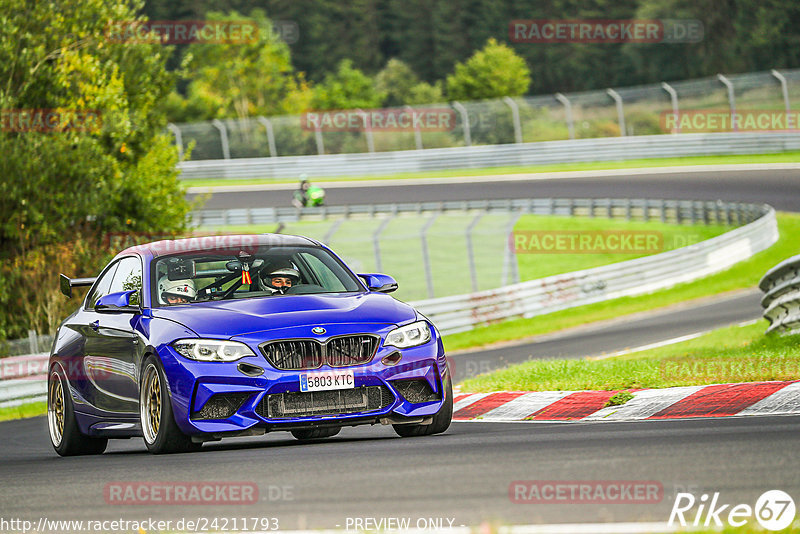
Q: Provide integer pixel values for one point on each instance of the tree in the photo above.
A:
(119, 174)
(347, 88)
(493, 72)
(243, 79)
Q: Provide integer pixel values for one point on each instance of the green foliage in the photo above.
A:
(117, 174)
(241, 79)
(493, 72)
(347, 88)
(620, 398)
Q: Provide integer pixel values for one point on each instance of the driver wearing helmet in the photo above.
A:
(176, 291)
(279, 277)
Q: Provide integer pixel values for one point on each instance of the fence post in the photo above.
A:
(731, 100)
(273, 152)
(367, 130)
(568, 109)
(178, 138)
(417, 132)
(673, 96)
(318, 139)
(33, 341)
(426, 260)
(464, 122)
(376, 247)
(785, 90)
(473, 272)
(515, 115)
(223, 138)
(510, 259)
(620, 112)
(332, 230)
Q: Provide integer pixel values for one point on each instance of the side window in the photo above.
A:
(329, 280)
(128, 277)
(101, 286)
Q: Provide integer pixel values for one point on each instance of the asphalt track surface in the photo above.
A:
(779, 188)
(621, 334)
(463, 474)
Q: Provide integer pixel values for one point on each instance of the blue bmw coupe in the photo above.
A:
(193, 340)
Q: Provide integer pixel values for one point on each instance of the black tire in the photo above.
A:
(305, 434)
(65, 436)
(159, 429)
(441, 421)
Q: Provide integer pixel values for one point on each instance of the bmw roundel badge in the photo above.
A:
(318, 330)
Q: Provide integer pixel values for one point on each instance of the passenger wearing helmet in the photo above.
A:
(176, 291)
(279, 277)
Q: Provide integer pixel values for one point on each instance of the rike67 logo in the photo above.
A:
(774, 510)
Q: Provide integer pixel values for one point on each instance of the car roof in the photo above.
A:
(219, 242)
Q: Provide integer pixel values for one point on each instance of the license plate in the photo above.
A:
(327, 380)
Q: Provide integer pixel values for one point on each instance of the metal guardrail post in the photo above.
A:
(568, 110)
(178, 138)
(473, 272)
(376, 246)
(273, 152)
(785, 90)
(620, 112)
(417, 132)
(33, 341)
(673, 96)
(731, 100)
(223, 138)
(515, 116)
(367, 130)
(426, 260)
(464, 122)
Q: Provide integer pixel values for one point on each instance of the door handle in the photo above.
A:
(95, 325)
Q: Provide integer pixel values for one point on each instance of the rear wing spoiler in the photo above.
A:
(68, 283)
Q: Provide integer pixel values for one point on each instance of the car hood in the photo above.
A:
(229, 318)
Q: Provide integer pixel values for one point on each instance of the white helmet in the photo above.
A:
(281, 269)
(176, 288)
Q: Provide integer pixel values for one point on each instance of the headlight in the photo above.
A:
(409, 335)
(212, 350)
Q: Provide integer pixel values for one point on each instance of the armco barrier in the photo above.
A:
(23, 378)
(781, 301)
(518, 154)
(634, 277)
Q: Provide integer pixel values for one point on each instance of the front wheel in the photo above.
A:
(441, 421)
(65, 435)
(160, 431)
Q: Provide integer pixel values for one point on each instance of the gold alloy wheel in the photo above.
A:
(55, 409)
(151, 403)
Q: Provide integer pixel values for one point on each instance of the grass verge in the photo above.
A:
(782, 157)
(727, 355)
(743, 275)
(34, 409)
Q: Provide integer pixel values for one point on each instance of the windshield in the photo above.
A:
(272, 272)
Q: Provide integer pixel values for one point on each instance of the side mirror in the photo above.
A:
(382, 283)
(119, 302)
